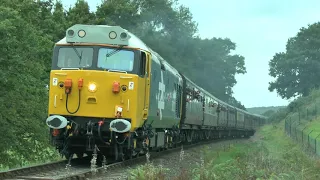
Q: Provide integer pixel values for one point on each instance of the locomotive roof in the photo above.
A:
(133, 42)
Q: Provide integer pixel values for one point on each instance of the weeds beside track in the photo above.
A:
(61, 170)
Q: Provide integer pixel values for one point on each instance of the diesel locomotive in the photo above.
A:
(109, 90)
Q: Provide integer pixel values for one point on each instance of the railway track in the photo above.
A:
(18, 173)
(61, 170)
(12, 173)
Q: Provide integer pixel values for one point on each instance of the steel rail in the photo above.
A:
(45, 167)
(12, 173)
(86, 173)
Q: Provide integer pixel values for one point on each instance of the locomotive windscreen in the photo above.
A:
(75, 57)
(96, 58)
(121, 60)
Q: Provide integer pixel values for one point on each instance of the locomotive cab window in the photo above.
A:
(121, 60)
(162, 66)
(143, 64)
(75, 57)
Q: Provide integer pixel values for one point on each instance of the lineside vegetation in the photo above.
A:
(270, 154)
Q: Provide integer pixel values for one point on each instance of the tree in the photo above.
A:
(296, 71)
(22, 66)
(170, 30)
(232, 101)
(214, 66)
(29, 29)
(80, 14)
(59, 17)
(269, 113)
(123, 13)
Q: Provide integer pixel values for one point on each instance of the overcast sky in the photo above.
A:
(259, 29)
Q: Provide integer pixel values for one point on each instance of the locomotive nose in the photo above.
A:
(56, 122)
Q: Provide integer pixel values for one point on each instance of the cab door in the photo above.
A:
(145, 74)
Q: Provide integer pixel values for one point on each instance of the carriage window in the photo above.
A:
(120, 60)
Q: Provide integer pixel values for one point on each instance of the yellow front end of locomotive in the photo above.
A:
(97, 76)
(99, 94)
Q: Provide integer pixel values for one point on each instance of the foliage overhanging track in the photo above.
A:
(84, 173)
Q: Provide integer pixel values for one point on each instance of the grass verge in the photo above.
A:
(270, 154)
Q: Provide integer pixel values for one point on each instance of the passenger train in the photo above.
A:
(109, 90)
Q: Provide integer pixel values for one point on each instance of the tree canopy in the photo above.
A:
(29, 29)
(296, 70)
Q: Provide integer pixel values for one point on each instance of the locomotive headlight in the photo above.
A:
(92, 87)
(112, 35)
(81, 33)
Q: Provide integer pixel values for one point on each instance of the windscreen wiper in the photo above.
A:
(79, 55)
(114, 51)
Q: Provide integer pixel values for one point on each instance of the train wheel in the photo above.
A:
(127, 153)
(79, 155)
(207, 135)
(116, 152)
(122, 156)
(68, 155)
(130, 155)
(189, 136)
(89, 154)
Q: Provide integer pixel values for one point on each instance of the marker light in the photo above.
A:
(81, 33)
(92, 87)
(123, 35)
(68, 85)
(80, 83)
(70, 32)
(112, 35)
(116, 87)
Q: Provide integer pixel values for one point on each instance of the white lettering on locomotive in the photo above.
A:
(174, 97)
(131, 85)
(162, 89)
(54, 81)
